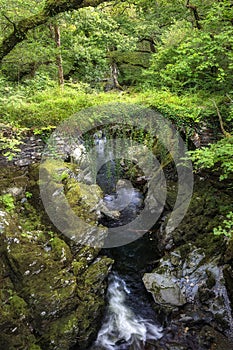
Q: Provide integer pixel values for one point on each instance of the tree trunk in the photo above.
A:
(57, 38)
(114, 72)
(50, 9)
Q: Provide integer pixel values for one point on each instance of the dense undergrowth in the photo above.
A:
(36, 105)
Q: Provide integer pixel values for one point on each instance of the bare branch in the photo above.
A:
(231, 100)
(225, 133)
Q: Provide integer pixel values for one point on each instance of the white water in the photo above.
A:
(122, 328)
(125, 195)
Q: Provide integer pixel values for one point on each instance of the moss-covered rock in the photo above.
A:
(16, 332)
(84, 199)
(90, 310)
(74, 207)
(206, 211)
(50, 289)
(13, 177)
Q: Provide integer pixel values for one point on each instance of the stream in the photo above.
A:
(129, 322)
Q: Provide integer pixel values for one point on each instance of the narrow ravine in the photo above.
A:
(163, 290)
(129, 322)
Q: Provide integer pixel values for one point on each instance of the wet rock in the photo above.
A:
(192, 261)
(215, 339)
(113, 214)
(228, 275)
(203, 287)
(176, 258)
(164, 289)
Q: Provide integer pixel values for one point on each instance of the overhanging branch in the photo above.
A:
(51, 9)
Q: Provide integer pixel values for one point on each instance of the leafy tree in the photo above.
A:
(92, 33)
(197, 58)
(50, 9)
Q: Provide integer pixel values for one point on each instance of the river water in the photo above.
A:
(129, 322)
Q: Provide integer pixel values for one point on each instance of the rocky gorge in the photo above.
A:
(53, 289)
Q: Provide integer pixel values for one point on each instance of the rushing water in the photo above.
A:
(130, 322)
(122, 328)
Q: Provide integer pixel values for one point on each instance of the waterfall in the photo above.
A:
(122, 329)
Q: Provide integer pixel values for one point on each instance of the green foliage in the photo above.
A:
(185, 110)
(9, 145)
(47, 108)
(188, 58)
(7, 200)
(226, 228)
(11, 136)
(92, 33)
(217, 157)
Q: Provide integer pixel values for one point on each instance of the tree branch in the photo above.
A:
(193, 9)
(225, 133)
(9, 20)
(229, 98)
(51, 9)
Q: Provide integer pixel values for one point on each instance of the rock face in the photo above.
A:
(192, 283)
(192, 292)
(52, 289)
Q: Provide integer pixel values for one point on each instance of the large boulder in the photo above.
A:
(164, 289)
(53, 289)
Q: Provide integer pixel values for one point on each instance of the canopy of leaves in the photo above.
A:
(196, 58)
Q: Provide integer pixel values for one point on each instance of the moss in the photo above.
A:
(184, 250)
(34, 347)
(12, 176)
(61, 334)
(30, 218)
(60, 250)
(204, 213)
(56, 289)
(15, 321)
(80, 324)
(52, 169)
(32, 266)
(83, 199)
(18, 306)
(228, 257)
(78, 267)
(96, 273)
